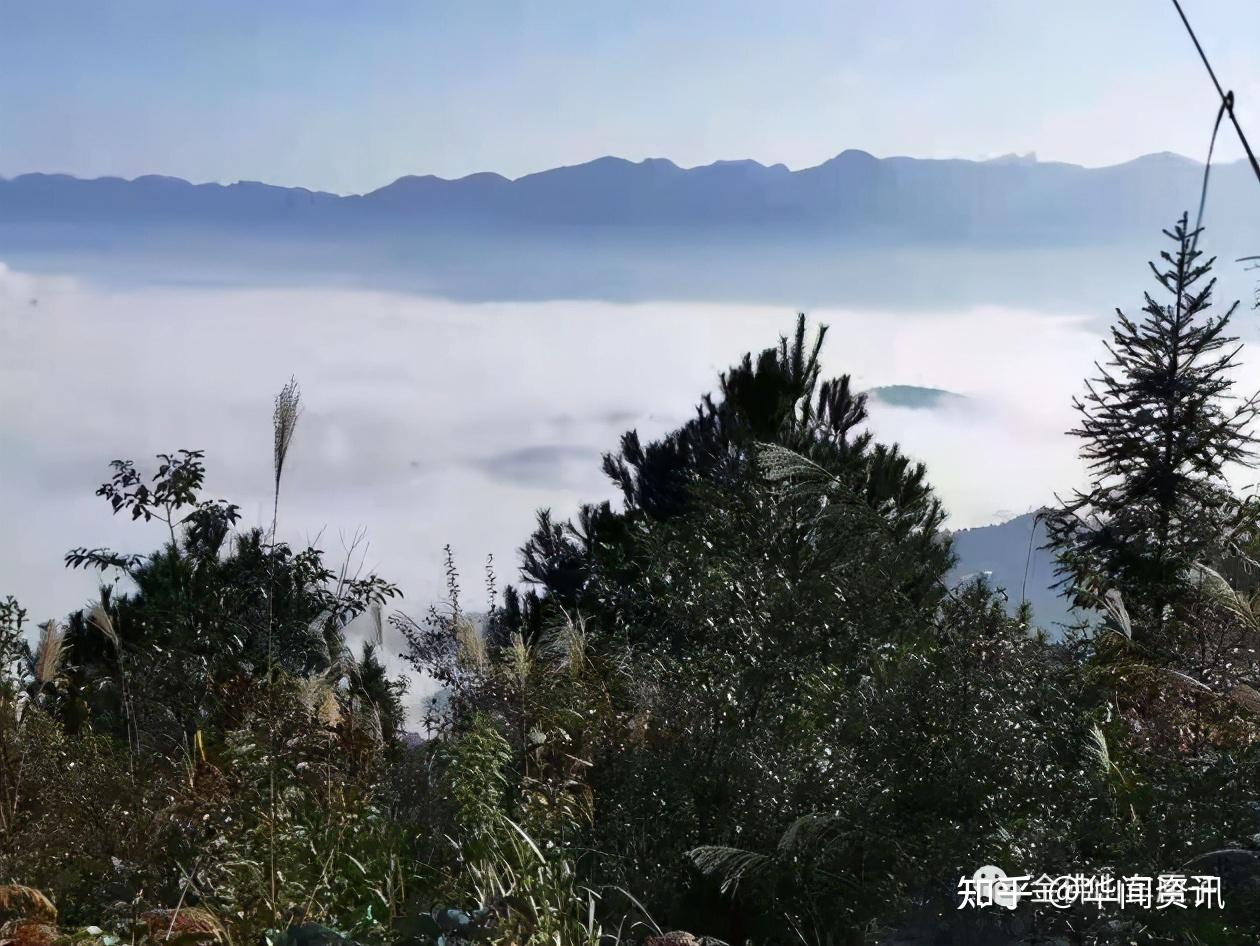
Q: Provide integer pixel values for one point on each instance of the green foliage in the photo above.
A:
(336, 851)
(478, 779)
(1159, 428)
(203, 735)
(1176, 661)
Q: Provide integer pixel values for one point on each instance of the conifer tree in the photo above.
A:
(1159, 427)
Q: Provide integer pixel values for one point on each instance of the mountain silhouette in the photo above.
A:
(853, 194)
(1011, 556)
(855, 229)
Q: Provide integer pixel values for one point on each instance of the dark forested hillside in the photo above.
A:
(1012, 556)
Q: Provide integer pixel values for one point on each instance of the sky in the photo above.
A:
(348, 97)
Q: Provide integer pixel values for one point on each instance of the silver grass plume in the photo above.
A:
(566, 644)
(472, 651)
(50, 654)
(730, 865)
(1113, 603)
(520, 660)
(284, 420)
(1097, 747)
(1220, 591)
(101, 620)
(318, 697)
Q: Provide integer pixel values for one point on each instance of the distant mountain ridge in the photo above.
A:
(854, 230)
(853, 194)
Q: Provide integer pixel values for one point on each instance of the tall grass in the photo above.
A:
(284, 418)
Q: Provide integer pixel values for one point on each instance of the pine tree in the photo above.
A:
(1159, 428)
(778, 397)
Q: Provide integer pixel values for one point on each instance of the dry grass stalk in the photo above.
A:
(472, 646)
(50, 654)
(101, 620)
(284, 420)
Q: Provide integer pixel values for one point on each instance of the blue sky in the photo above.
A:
(348, 96)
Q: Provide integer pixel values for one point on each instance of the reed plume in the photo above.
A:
(50, 654)
(284, 421)
(105, 624)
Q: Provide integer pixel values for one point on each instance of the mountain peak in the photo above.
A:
(853, 156)
(1013, 158)
(1160, 158)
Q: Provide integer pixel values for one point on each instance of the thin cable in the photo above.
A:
(1227, 99)
(1207, 170)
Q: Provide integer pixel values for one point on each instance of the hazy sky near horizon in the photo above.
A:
(347, 97)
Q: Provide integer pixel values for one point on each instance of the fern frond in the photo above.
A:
(730, 865)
